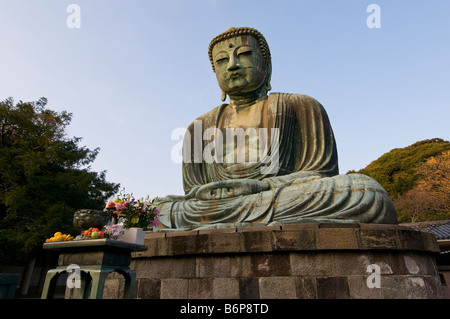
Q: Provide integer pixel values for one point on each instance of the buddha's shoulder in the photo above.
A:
(298, 101)
(295, 98)
(208, 116)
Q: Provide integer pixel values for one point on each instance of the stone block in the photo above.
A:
(264, 265)
(174, 288)
(157, 246)
(410, 239)
(359, 289)
(373, 238)
(255, 229)
(185, 233)
(413, 287)
(336, 238)
(249, 288)
(190, 243)
(200, 288)
(220, 230)
(288, 261)
(166, 268)
(410, 287)
(257, 241)
(223, 266)
(306, 287)
(422, 264)
(391, 288)
(226, 288)
(299, 226)
(431, 282)
(339, 225)
(300, 239)
(349, 262)
(430, 242)
(111, 290)
(277, 288)
(147, 288)
(332, 288)
(114, 286)
(226, 242)
(311, 264)
(378, 226)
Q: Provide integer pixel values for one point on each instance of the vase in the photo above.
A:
(134, 235)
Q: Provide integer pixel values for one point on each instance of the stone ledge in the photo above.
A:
(288, 261)
(289, 287)
(289, 237)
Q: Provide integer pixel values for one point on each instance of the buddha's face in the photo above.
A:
(239, 65)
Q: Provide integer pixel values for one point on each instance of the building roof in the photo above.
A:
(440, 228)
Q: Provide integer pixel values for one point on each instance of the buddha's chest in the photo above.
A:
(244, 117)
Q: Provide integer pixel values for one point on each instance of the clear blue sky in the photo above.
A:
(136, 70)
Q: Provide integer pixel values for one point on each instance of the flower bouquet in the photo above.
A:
(139, 213)
(113, 231)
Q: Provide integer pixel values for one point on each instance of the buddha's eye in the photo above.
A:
(223, 60)
(245, 53)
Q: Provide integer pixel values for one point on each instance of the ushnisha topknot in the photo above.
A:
(232, 32)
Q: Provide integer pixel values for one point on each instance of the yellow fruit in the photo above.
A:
(57, 234)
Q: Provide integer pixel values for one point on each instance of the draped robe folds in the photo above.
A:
(303, 186)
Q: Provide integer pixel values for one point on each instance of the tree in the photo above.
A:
(412, 205)
(396, 169)
(430, 197)
(417, 179)
(44, 177)
(435, 181)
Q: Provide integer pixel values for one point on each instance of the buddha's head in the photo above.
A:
(240, 57)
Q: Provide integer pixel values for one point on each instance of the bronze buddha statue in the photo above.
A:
(283, 167)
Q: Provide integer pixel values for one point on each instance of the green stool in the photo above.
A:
(8, 285)
(89, 263)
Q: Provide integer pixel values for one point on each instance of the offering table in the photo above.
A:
(89, 263)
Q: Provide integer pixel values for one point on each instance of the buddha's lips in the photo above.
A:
(235, 75)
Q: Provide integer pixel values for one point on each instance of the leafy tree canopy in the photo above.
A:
(396, 170)
(416, 178)
(44, 177)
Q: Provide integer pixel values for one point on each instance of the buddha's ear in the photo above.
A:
(268, 77)
(224, 96)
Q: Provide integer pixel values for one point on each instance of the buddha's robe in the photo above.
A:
(294, 180)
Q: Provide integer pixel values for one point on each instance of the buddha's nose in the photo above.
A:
(233, 63)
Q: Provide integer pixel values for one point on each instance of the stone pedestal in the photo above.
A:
(94, 260)
(289, 261)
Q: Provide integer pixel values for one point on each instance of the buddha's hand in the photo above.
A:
(230, 188)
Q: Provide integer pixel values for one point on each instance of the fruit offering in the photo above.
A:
(110, 205)
(58, 236)
(93, 233)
